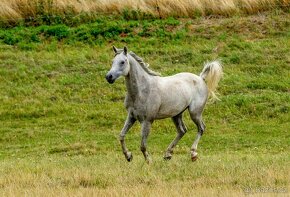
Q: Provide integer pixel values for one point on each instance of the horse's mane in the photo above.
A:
(143, 64)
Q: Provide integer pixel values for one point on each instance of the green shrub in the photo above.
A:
(59, 31)
(34, 38)
(11, 39)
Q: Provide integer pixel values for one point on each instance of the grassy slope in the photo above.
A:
(60, 120)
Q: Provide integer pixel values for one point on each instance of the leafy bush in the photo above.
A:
(59, 31)
(11, 39)
(109, 31)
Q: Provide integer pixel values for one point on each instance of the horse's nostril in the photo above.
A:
(109, 76)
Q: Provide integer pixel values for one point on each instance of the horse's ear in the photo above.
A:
(125, 50)
(115, 49)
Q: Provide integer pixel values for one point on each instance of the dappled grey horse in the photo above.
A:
(150, 97)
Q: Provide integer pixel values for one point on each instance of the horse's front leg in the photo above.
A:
(146, 126)
(128, 124)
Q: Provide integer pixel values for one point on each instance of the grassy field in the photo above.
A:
(60, 119)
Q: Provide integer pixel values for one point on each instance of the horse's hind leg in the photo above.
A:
(181, 130)
(197, 119)
(201, 128)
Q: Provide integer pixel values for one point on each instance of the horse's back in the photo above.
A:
(181, 80)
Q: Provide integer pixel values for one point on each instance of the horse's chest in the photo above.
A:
(138, 107)
(139, 114)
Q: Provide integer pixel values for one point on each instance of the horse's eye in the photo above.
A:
(122, 62)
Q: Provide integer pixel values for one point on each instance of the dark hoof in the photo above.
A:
(167, 158)
(149, 161)
(129, 157)
(194, 158)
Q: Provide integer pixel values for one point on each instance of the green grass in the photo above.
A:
(60, 119)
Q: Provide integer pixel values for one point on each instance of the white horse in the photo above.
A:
(151, 97)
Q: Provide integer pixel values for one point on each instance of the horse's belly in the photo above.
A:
(173, 105)
(170, 112)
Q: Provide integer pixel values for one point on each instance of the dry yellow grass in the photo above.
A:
(19, 9)
(216, 175)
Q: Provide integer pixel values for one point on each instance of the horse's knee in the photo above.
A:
(183, 129)
(143, 148)
(121, 137)
(201, 131)
(197, 119)
(201, 128)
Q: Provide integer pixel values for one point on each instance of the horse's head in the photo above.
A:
(120, 65)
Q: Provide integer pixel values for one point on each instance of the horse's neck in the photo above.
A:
(137, 79)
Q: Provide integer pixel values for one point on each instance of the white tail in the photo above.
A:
(212, 73)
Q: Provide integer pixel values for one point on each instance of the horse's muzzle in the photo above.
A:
(109, 78)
